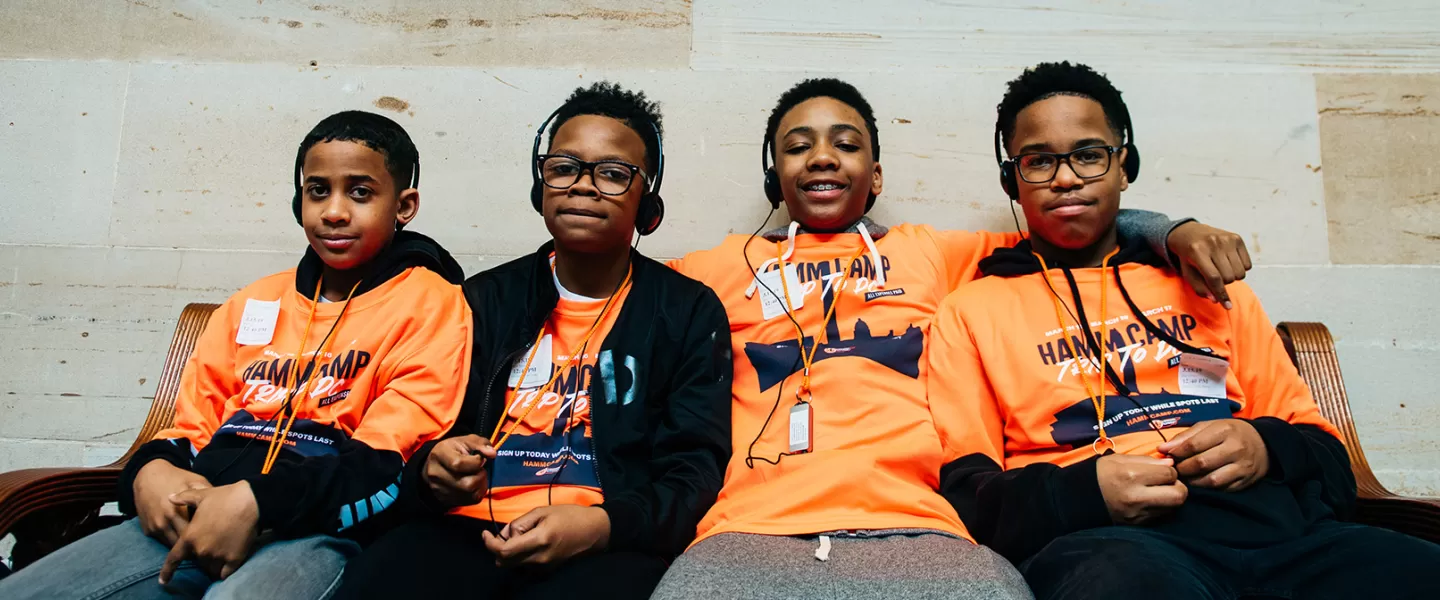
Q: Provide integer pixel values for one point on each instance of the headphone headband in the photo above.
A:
(652, 208)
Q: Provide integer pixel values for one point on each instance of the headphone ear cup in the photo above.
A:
(1132, 162)
(870, 202)
(295, 206)
(650, 214)
(772, 188)
(1007, 180)
(537, 196)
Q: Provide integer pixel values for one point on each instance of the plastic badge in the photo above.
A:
(1202, 375)
(539, 372)
(800, 421)
(257, 323)
(771, 288)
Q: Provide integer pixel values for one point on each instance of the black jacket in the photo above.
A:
(304, 494)
(1018, 511)
(661, 448)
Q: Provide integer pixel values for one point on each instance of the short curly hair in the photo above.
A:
(1047, 80)
(608, 99)
(824, 88)
(377, 132)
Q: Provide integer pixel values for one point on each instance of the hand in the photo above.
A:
(222, 534)
(1226, 455)
(154, 484)
(455, 470)
(1210, 259)
(549, 535)
(1138, 489)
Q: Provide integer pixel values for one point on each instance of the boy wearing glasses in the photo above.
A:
(1111, 433)
(832, 489)
(596, 424)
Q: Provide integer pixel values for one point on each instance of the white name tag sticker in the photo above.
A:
(539, 372)
(771, 289)
(257, 323)
(1203, 375)
(800, 421)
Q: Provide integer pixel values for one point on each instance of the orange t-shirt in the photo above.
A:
(875, 457)
(548, 457)
(1006, 382)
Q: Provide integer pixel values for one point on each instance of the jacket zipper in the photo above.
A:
(485, 403)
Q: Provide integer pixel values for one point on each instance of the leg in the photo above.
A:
(441, 557)
(1346, 560)
(119, 562)
(921, 565)
(608, 575)
(307, 568)
(1123, 562)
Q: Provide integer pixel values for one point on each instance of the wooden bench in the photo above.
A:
(48, 508)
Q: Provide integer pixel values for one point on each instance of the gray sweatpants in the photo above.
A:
(891, 565)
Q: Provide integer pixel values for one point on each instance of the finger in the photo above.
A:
(1147, 475)
(230, 567)
(1190, 442)
(198, 485)
(476, 445)
(179, 552)
(527, 522)
(1223, 478)
(1193, 277)
(1245, 256)
(175, 528)
(521, 546)
(1196, 467)
(472, 484)
(493, 542)
(1162, 496)
(1237, 264)
(1214, 281)
(189, 497)
(464, 463)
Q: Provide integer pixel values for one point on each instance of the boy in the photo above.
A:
(835, 453)
(597, 422)
(357, 356)
(1114, 435)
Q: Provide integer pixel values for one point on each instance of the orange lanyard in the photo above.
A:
(282, 428)
(1097, 399)
(535, 349)
(808, 359)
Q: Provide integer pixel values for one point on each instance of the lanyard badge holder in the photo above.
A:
(802, 420)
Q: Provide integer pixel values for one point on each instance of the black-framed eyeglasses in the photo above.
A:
(611, 177)
(1087, 163)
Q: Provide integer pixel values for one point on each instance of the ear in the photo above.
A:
(409, 206)
(877, 182)
(1124, 181)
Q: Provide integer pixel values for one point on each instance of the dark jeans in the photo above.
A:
(444, 557)
(1334, 560)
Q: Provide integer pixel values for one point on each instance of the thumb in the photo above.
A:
(526, 522)
(190, 497)
(476, 445)
(179, 552)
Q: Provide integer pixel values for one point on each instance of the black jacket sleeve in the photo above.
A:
(1017, 512)
(1305, 454)
(175, 452)
(326, 494)
(691, 444)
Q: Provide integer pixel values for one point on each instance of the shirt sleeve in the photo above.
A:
(419, 398)
(1014, 511)
(206, 383)
(963, 250)
(1303, 446)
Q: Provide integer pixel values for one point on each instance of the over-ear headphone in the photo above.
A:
(299, 185)
(1009, 178)
(652, 207)
(772, 180)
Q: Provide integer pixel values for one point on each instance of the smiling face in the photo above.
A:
(580, 217)
(1069, 212)
(349, 203)
(825, 164)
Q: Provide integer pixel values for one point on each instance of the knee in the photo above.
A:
(1098, 564)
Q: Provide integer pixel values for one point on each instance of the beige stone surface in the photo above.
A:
(350, 32)
(1380, 136)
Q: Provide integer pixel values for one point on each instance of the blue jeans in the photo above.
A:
(1340, 561)
(123, 563)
